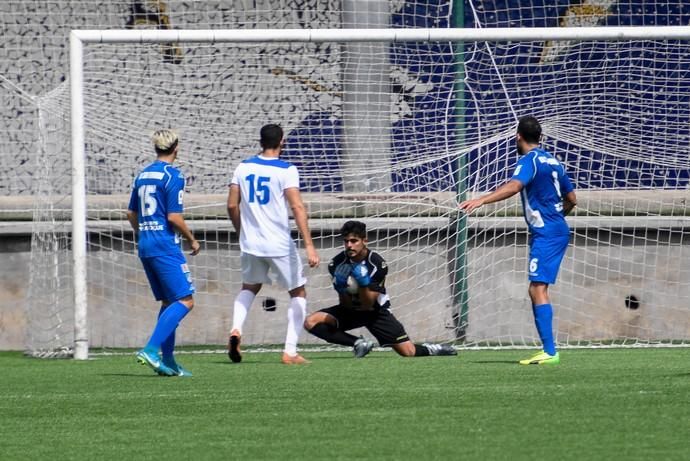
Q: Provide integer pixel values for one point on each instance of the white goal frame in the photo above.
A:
(80, 38)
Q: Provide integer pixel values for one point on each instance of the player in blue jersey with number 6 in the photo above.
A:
(547, 197)
(155, 214)
(260, 191)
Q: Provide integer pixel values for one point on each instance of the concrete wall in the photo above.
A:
(122, 311)
(14, 283)
(589, 297)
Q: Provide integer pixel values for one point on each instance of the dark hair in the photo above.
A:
(271, 135)
(357, 228)
(168, 151)
(530, 129)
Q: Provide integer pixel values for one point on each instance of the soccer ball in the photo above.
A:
(352, 285)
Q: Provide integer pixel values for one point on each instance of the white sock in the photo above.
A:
(297, 311)
(243, 302)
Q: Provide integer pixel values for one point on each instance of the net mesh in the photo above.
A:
(390, 134)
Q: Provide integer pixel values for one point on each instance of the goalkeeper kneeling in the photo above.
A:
(359, 276)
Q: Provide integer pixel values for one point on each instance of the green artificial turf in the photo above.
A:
(605, 404)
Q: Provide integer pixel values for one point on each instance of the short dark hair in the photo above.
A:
(271, 135)
(357, 228)
(530, 129)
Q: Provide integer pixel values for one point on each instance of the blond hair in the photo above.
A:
(164, 141)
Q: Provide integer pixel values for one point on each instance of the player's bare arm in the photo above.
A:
(569, 202)
(367, 298)
(345, 300)
(133, 218)
(299, 211)
(507, 190)
(177, 220)
(234, 206)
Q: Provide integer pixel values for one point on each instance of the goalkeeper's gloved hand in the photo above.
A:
(340, 276)
(361, 274)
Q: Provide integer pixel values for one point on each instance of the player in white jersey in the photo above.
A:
(261, 189)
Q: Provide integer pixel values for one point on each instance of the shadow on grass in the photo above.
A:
(135, 375)
(310, 357)
(511, 362)
(680, 375)
(348, 357)
(244, 362)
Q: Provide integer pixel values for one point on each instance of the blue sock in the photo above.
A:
(168, 345)
(167, 323)
(543, 317)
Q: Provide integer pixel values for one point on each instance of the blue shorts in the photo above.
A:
(545, 256)
(168, 276)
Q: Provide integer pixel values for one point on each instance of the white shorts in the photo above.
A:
(287, 270)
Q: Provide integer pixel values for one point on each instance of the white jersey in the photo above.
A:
(265, 226)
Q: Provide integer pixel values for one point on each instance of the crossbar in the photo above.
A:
(497, 34)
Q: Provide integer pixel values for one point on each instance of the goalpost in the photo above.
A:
(625, 279)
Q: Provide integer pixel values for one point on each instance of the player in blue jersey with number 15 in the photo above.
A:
(547, 197)
(155, 214)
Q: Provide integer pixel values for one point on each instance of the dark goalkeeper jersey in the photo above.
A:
(378, 269)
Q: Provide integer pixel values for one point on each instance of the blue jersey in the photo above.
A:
(545, 182)
(157, 191)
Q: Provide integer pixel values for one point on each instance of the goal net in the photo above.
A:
(392, 133)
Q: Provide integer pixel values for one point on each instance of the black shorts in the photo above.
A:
(380, 322)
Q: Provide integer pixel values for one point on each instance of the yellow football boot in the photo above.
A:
(542, 358)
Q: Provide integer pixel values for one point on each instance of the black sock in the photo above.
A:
(331, 334)
(421, 351)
